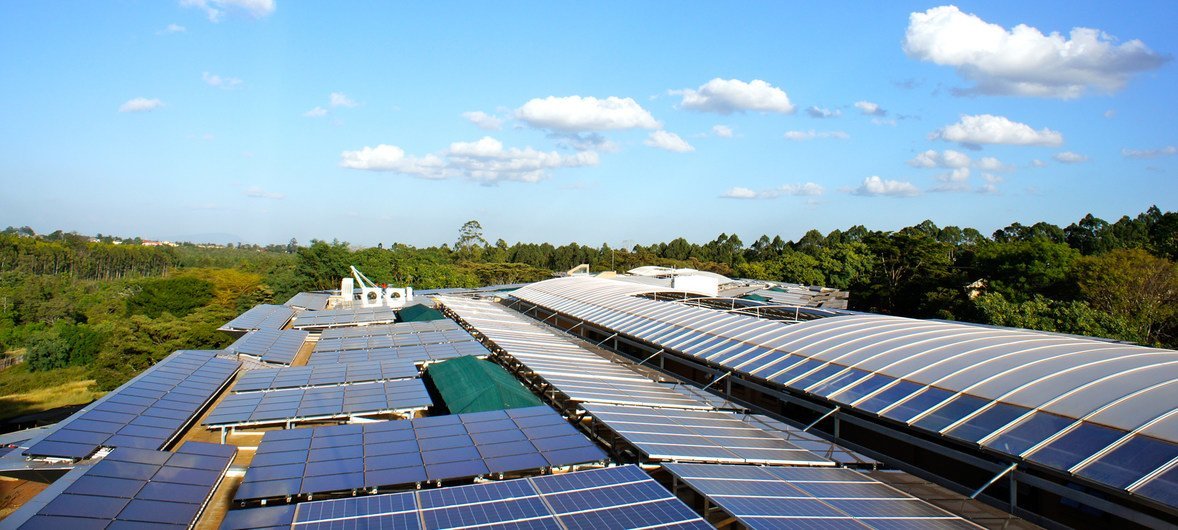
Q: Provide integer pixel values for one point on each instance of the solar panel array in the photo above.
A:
(396, 453)
(793, 497)
(261, 316)
(312, 301)
(615, 497)
(354, 316)
(325, 375)
(699, 436)
(402, 340)
(399, 328)
(278, 346)
(810, 442)
(310, 404)
(138, 488)
(420, 353)
(147, 412)
(576, 372)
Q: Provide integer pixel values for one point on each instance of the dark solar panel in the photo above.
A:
(619, 497)
(261, 316)
(181, 384)
(787, 497)
(406, 452)
(419, 353)
(133, 486)
(325, 375)
(356, 316)
(399, 328)
(309, 404)
(279, 346)
(312, 301)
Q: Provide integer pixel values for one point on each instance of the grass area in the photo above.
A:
(23, 391)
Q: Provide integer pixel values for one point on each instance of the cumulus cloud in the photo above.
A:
(808, 189)
(579, 114)
(668, 141)
(956, 180)
(338, 99)
(483, 120)
(723, 131)
(1023, 61)
(870, 109)
(945, 159)
(317, 112)
(258, 193)
(990, 129)
(799, 136)
(484, 160)
(990, 163)
(140, 105)
(990, 183)
(1168, 150)
(822, 113)
(171, 28)
(874, 186)
(215, 9)
(1038, 163)
(1069, 157)
(725, 96)
(215, 80)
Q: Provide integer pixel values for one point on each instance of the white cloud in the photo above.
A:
(668, 141)
(875, 186)
(945, 159)
(990, 129)
(483, 120)
(215, 80)
(171, 28)
(1069, 157)
(726, 96)
(258, 193)
(1168, 150)
(215, 9)
(990, 163)
(799, 136)
(317, 112)
(870, 109)
(991, 183)
(723, 131)
(578, 114)
(1038, 163)
(1110, 113)
(338, 99)
(484, 160)
(821, 113)
(140, 105)
(808, 189)
(956, 180)
(1023, 61)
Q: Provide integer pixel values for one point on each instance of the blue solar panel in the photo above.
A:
(400, 453)
(259, 518)
(112, 421)
(280, 406)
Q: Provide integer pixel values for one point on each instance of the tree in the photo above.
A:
(1133, 285)
(292, 246)
(470, 242)
(1022, 269)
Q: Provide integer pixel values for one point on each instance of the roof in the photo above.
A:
(468, 384)
(420, 313)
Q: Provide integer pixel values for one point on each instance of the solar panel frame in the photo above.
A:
(261, 316)
(298, 405)
(325, 375)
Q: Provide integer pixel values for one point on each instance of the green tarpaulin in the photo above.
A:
(756, 297)
(468, 384)
(420, 313)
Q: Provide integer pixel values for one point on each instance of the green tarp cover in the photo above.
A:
(756, 297)
(468, 384)
(420, 313)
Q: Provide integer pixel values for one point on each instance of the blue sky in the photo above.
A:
(607, 122)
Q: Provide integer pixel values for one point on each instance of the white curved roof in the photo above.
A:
(1029, 394)
(653, 270)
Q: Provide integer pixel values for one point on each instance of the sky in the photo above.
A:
(608, 122)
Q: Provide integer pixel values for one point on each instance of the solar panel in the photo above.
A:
(130, 487)
(355, 316)
(406, 452)
(810, 442)
(787, 497)
(312, 404)
(146, 412)
(270, 345)
(370, 342)
(617, 497)
(578, 373)
(325, 375)
(399, 328)
(699, 436)
(312, 301)
(261, 316)
(420, 354)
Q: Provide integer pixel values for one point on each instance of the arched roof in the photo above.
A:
(1099, 409)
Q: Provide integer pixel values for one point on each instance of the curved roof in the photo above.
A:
(654, 270)
(1103, 410)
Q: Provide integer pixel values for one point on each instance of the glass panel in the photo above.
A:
(1039, 427)
(819, 375)
(946, 414)
(986, 423)
(862, 388)
(1162, 488)
(918, 403)
(1073, 447)
(1138, 457)
(886, 398)
(851, 376)
(796, 370)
